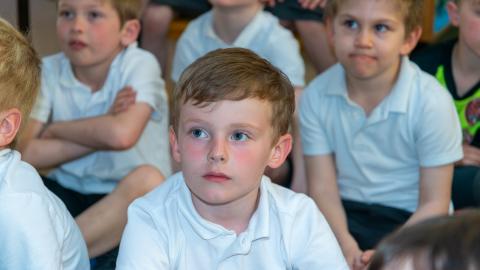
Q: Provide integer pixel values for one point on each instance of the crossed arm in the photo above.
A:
(434, 199)
(48, 145)
(308, 4)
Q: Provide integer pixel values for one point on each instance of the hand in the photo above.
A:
(46, 133)
(471, 156)
(312, 4)
(364, 259)
(353, 256)
(124, 99)
(270, 3)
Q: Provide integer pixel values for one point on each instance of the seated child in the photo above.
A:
(456, 65)
(36, 230)
(231, 114)
(107, 151)
(243, 23)
(379, 135)
(440, 243)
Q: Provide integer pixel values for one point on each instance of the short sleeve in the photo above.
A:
(28, 239)
(314, 245)
(144, 76)
(438, 132)
(142, 246)
(314, 137)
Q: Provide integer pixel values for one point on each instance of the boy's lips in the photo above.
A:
(76, 44)
(216, 177)
(362, 57)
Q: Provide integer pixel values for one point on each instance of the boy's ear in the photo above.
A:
(174, 145)
(130, 32)
(9, 125)
(411, 41)
(280, 151)
(453, 13)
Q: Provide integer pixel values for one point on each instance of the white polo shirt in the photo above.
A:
(64, 98)
(264, 35)
(378, 158)
(287, 231)
(36, 230)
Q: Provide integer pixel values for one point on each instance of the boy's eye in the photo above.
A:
(199, 133)
(67, 14)
(92, 15)
(381, 28)
(352, 24)
(239, 136)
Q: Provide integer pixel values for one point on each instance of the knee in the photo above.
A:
(141, 180)
(157, 17)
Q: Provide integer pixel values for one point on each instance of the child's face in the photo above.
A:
(467, 18)
(224, 149)
(369, 38)
(89, 32)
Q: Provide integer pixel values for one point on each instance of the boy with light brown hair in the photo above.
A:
(380, 136)
(37, 232)
(106, 151)
(232, 110)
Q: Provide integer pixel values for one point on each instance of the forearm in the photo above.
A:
(106, 132)
(428, 210)
(47, 153)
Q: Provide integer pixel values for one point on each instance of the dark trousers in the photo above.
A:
(466, 187)
(369, 223)
(75, 202)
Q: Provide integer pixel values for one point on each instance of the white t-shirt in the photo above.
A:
(64, 98)
(378, 158)
(263, 35)
(287, 231)
(36, 230)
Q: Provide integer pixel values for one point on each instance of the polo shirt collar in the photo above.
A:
(68, 79)
(396, 101)
(258, 226)
(247, 35)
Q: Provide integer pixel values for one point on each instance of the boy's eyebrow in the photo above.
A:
(233, 125)
(384, 19)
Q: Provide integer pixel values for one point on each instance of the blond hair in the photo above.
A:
(236, 74)
(411, 11)
(19, 72)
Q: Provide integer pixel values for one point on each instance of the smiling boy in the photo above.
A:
(231, 113)
(380, 136)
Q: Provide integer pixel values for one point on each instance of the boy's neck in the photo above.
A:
(369, 93)
(229, 22)
(94, 76)
(465, 68)
(234, 216)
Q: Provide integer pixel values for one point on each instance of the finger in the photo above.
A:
(367, 256)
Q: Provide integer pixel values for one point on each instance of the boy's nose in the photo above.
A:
(218, 152)
(363, 39)
(78, 24)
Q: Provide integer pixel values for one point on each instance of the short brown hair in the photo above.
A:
(19, 72)
(440, 243)
(236, 74)
(412, 11)
(126, 9)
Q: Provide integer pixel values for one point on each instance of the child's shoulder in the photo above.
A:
(163, 196)
(284, 201)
